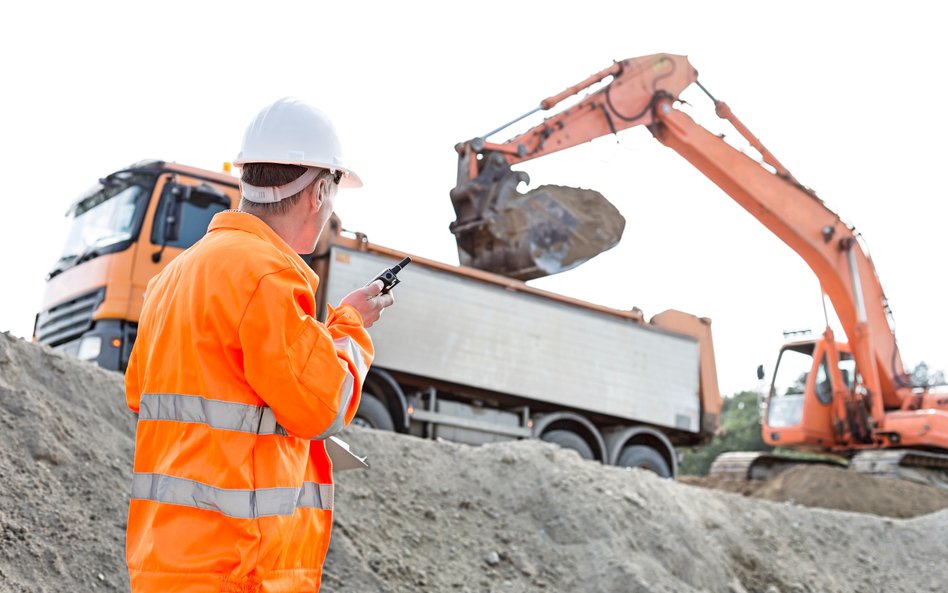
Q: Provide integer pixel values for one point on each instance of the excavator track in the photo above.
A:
(757, 465)
(907, 464)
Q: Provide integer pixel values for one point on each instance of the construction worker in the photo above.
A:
(237, 385)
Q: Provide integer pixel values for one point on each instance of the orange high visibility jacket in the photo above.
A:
(236, 384)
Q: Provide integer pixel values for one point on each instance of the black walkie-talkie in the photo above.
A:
(389, 276)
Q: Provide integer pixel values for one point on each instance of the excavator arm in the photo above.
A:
(627, 100)
(645, 91)
(552, 229)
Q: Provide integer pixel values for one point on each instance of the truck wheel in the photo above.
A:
(372, 413)
(645, 457)
(569, 440)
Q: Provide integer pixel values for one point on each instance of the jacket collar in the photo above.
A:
(244, 221)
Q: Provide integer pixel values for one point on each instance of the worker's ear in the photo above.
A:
(316, 191)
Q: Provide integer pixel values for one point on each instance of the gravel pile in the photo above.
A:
(441, 517)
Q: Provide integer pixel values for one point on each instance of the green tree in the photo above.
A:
(740, 423)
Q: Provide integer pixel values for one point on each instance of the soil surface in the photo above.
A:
(837, 488)
(441, 517)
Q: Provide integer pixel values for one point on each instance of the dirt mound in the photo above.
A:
(439, 517)
(837, 488)
(527, 516)
(66, 443)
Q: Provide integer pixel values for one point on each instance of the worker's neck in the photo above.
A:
(291, 227)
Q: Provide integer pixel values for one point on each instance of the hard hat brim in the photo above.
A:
(349, 179)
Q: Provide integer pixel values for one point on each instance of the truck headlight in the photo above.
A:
(89, 348)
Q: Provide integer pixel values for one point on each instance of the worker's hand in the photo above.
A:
(369, 302)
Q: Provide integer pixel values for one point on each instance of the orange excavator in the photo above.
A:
(850, 398)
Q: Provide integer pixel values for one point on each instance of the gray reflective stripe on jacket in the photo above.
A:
(226, 415)
(212, 412)
(236, 416)
(241, 504)
(339, 422)
(349, 346)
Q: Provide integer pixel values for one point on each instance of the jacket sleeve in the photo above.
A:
(309, 374)
(350, 337)
(133, 391)
(133, 373)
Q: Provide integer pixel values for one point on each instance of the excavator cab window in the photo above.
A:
(824, 386)
(847, 368)
(785, 405)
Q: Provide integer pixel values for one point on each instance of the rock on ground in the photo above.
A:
(440, 517)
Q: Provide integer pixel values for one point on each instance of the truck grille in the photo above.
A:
(69, 319)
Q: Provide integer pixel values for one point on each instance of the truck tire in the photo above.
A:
(645, 457)
(569, 440)
(372, 413)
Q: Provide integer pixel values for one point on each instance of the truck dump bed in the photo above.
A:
(483, 332)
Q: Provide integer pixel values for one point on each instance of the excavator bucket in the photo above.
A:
(530, 235)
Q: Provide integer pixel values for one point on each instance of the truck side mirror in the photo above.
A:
(760, 372)
(171, 213)
(180, 194)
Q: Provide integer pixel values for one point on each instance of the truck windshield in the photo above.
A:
(106, 217)
(785, 406)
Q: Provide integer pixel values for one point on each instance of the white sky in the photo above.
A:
(846, 94)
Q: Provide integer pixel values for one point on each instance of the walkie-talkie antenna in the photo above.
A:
(388, 275)
(398, 267)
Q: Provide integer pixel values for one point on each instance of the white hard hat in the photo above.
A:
(293, 132)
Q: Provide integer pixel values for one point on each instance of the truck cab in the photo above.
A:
(123, 230)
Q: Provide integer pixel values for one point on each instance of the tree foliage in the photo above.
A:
(922, 376)
(740, 424)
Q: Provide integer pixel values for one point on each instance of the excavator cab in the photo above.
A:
(809, 387)
(785, 399)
